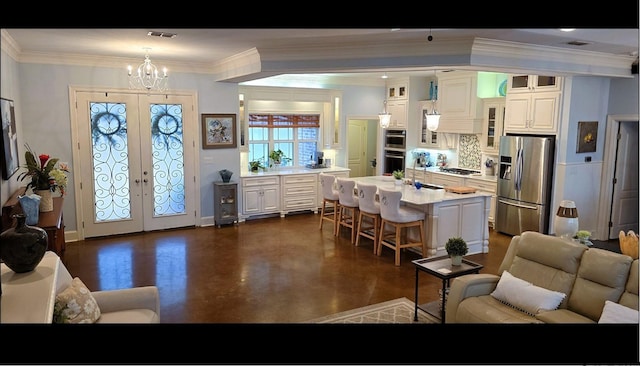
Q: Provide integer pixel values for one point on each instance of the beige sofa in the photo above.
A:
(132, 305)
(588, 277)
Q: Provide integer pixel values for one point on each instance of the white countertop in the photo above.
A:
(293, 170)
(412, 195)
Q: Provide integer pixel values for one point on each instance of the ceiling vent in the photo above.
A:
(161, 34)
(578, 43)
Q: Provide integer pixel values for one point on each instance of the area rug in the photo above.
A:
(398, 311)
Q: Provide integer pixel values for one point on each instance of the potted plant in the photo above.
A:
(398, 175)
(278, 157)
(255, 165)
(456, 247)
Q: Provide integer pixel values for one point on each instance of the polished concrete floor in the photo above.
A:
(272, 270)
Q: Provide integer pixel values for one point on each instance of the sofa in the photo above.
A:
(547, 279)
(140, 305)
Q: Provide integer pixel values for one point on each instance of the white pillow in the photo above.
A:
(616, 313)
(526, 296)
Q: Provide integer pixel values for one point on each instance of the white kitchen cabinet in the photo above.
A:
(446, 180)
(333, 136)
(536, 113)
(458, 103)
(398, 111)
(492, 124)
(260, 195)
(398, 89)
(533, 83)
(299, 193)
(487, 186)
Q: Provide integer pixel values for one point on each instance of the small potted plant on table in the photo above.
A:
(398, 175)
(456, 247)
(278, 157)
(255, 165)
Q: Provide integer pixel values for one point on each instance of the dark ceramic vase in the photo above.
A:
(22, 247)
(226, 175)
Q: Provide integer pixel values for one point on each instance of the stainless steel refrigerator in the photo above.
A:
(524, 184)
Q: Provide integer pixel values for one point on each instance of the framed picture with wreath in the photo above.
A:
(219, 131)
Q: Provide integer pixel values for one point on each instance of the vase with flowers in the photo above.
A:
(46, 175)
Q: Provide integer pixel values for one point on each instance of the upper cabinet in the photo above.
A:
(398, 89)
(533, 83)
(535, 108)
(459, 99)
(402, 95)
(492, 124)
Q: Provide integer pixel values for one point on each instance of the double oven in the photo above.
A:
(395, 145)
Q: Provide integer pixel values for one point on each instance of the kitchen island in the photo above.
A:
(447, 215)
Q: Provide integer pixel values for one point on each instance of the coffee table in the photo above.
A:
(440, 267)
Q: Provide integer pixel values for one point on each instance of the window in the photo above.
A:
(295, 134)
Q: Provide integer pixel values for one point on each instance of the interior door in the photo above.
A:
(624, 205)
(137, 164)
(357, 159)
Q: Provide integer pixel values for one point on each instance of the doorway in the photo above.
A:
(618, 202)
(362, 137)
(135, 162)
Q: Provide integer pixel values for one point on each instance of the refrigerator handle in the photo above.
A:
(517, 179)
(518, 205)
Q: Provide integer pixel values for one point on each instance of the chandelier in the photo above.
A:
(147, 76)
(385, 117)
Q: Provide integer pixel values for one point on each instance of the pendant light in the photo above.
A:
(385, 117)
(433, 117)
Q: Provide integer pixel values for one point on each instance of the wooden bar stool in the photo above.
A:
(330, 199)
(349, 207)
(399, 217)
(369, 217)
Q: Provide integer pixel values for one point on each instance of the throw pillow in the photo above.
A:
(616, 313)
(76, 305)
(526, 296)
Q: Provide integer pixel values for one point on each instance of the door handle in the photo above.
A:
(518, 205)
(145, 180)
(137, 181)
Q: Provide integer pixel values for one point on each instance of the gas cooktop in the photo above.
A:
(459, 171)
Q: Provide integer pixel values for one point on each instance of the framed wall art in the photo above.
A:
(219, 131)
(587, 137)
(9, 142)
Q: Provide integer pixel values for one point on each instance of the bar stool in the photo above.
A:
(369, 217)
(349, 207)
(399, 217)
(331, 199)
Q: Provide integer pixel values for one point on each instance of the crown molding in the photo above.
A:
(9, 45)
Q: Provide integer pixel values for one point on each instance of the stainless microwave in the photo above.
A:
(396, 139)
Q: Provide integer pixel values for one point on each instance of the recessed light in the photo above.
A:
(567, 29)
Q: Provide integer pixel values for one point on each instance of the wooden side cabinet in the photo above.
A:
(225, 197)
(52, 222)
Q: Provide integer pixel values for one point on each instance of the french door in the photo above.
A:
(136, 161)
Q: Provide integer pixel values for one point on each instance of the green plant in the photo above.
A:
(255, 165)
(278, 157)
(398, 174)
(456, 246)
(44, 173)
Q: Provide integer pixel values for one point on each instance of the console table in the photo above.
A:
(30, 297)
(52, 222)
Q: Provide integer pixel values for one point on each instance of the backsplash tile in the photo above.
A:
(469, 154)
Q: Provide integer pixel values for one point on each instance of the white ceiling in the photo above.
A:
(211, 46)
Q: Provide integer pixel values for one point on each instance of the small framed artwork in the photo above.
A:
(219, 131)
(587, 137)
(9, 142)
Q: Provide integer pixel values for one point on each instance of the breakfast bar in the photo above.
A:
(447, 214)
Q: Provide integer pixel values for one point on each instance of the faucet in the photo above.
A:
(413, 180)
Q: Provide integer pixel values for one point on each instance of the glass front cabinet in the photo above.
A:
(492, 124)
(225, 200)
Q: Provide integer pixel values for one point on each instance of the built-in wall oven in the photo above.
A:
(395, 143)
